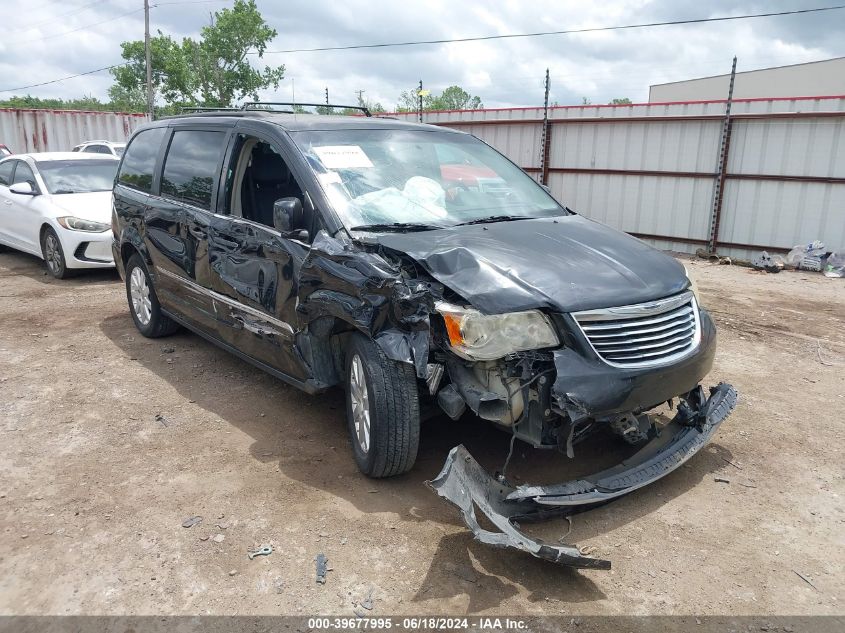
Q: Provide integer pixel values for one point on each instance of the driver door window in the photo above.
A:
(257, 177)
(23, 173)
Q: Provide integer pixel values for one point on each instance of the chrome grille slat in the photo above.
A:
(650, 354)
(609, 325)
(668, 325)
(643, 335)
(653, 345)
(683, 329)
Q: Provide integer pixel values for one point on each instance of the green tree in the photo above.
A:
(212, 71)
(620, 101)
(373, 106)
(456, 98)
(452, 98)
(86, 102)
(170, 75)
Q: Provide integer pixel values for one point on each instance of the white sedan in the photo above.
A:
(57, 205)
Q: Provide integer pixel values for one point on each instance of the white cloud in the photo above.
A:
(599, 66)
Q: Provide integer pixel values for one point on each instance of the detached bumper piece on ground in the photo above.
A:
(467, 485)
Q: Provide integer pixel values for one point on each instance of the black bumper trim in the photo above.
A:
(675, 445)
(463, 482)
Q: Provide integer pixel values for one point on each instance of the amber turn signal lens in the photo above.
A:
(453, 328)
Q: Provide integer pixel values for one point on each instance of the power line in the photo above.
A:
(53, 81)
(81, 28)
(60, 15)
(112, 19)
(543, 33)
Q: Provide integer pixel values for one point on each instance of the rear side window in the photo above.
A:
(138, 165)
(6, 172)
(192, 164)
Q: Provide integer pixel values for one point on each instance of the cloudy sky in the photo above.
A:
(44, 40)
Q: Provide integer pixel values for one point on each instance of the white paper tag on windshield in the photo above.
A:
(342, 156)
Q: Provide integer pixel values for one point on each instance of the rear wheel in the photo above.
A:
(53, 254)
(143, 302)
(382, 410)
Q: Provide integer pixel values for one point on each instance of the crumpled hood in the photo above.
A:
(94, 205)
(563, 264)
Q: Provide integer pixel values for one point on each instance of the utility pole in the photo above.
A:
(361, 97)
(721, 168)
(148, 56)
(419, 97)
(327, 95)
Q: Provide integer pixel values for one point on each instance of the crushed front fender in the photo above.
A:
(468, 486)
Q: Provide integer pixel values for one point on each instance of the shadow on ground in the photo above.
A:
(16, 263)
(306, 435)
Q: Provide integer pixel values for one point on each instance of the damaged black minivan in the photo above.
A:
(415, 265)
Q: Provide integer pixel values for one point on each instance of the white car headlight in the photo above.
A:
(78, 224)
(477, 336)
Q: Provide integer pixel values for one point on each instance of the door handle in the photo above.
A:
(9, 202)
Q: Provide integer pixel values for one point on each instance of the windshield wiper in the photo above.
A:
(495, 218)
(397, 227)
(65, 191)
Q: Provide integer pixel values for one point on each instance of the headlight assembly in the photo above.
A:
(78, 224)
(477, 336)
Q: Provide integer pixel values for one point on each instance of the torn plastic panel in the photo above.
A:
(464, 483)
(467, 485)
(372, 294)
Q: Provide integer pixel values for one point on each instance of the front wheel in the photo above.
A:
(54, 254)
(382, 410)
(143, 301)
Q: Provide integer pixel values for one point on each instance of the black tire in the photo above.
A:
(394, 411)
(54, 254)
(158, 324)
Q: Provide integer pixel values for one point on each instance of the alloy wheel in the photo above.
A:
(139, 291)
(360, 400)
(52, 254)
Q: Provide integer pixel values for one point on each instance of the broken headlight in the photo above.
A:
(477, 336)
(78, 224)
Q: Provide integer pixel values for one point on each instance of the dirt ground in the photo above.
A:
(110, 441)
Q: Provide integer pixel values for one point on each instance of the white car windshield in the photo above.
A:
(432, 179)
(78, 176)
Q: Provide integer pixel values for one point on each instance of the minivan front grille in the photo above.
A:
(645, 334)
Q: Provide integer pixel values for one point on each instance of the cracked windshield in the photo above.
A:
(377, 179)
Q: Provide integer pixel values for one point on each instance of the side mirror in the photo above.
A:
(287, 214)
(23, 188)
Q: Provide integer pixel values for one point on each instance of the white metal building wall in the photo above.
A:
(649, 169)
(60, 130)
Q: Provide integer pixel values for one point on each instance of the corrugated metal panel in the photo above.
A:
(520, 143)
(764, 212)
(60, 130)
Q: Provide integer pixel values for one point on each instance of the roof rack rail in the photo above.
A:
(257, 105)
(209, 109)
